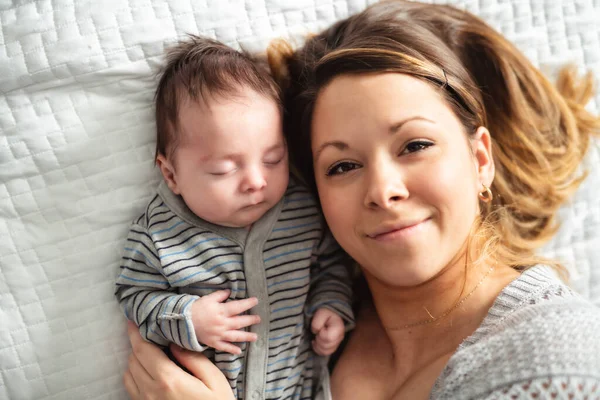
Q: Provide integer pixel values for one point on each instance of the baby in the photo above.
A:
(229, 231)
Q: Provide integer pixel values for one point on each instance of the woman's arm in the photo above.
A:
(151, 375)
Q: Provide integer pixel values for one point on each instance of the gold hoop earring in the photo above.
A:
(486, 194)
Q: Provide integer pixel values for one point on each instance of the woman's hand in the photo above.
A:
(151, 375)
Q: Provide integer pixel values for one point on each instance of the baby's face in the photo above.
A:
(231, 165)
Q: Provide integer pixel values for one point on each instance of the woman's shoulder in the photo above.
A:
(536, 300)
(538, 328)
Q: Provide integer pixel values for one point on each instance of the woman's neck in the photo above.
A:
(430, 321)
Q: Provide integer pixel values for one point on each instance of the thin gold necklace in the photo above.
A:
(433, 319)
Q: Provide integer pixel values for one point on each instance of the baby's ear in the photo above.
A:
(168, 172)
(482, 151)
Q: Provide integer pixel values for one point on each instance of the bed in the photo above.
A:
(76, 159)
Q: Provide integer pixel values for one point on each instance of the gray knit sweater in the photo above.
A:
(540, 340)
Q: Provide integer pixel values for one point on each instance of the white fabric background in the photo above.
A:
(76, 149)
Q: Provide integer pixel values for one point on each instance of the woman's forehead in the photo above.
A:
(349, 101)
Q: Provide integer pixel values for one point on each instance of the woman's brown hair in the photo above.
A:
(540, 132)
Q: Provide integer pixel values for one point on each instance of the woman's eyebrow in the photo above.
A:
(335, 143)
(396, 127)
(393, 129)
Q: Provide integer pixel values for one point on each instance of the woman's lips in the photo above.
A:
(397, 231)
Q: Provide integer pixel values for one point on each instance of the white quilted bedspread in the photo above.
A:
(76, 149)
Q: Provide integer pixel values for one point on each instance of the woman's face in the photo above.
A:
(397, 177)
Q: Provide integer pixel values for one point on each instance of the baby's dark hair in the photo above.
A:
(199, 67)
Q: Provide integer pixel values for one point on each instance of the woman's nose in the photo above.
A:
(386, 185)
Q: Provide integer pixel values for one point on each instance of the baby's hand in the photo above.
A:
(217, 323)
(328, 328)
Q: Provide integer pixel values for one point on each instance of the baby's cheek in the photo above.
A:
(278, 180)
(211, 207)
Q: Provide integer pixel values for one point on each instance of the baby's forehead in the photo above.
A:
(225, 122)
(207, 99)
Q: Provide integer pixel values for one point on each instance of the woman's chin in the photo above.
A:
(408, 278)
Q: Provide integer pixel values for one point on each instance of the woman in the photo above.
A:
(440, 156)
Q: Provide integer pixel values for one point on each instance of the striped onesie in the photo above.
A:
(287, 260)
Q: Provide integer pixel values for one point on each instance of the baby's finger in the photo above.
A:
(330, 334)
(243, 321)
(228, 348)
(323, 349)
(326, 351)
(218, 296)
(239, 306)
(318, 348)
(239, 336)
(318, 322)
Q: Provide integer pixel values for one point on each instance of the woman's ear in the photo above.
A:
(168, 172)
(481, 145)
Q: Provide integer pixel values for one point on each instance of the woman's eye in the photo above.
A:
(341, 168)
(417, 145)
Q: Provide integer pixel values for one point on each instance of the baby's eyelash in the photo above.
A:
(274, 162)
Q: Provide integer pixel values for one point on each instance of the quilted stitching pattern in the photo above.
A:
(76, 150)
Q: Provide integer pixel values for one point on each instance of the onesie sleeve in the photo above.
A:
(147, 298)
(331, 281)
